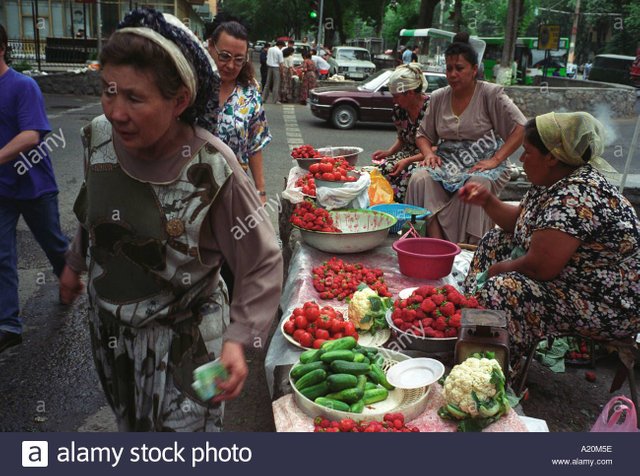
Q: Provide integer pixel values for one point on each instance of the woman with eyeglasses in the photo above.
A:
(240, 116)
(408, 86)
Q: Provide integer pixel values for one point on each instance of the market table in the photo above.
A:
(299, 289)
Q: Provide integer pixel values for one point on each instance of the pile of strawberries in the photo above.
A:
(391, 422)
(305, 152)
(306, 215)
(311, 326)
(308, 185)
(432, 312)
(332, 169)
(337, 279)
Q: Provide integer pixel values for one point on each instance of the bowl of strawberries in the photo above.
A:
(429, 319)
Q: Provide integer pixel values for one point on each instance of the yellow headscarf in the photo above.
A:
(569, 135)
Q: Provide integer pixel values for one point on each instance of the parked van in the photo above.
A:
(612, 69)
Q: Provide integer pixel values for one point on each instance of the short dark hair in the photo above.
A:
(239, 32)
(280, 43)
(4, 44)
(532, 136)
(288, 51)
(461, 46)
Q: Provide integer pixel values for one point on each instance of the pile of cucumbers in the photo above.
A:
(342, 375)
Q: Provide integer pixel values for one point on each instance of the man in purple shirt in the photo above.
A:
(27, 186)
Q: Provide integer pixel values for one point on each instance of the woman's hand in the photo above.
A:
(380, 155)
(432, 160)
(399, 167)
(232, 358)
(488, 164)
(70, 285)
(475, 194)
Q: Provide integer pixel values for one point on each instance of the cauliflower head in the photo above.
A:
(359, 307)
(474, 375)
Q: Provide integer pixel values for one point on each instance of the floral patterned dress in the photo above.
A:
(598, 291)
(407, 134)
(242, 124)
(309, 79)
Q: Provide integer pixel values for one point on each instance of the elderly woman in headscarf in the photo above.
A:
(408, 86)
(566, 259)
(159, 212)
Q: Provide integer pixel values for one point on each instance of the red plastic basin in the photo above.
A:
(426, 258)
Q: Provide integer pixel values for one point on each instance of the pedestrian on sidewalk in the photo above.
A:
(263, 65)
(160, 198)
(27, 187)
(309, 77)
(274, 60)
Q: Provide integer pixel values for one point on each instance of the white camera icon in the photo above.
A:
(35, 454)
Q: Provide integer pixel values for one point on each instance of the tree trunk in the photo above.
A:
(457, 12)
(510, 34)
(427, 7)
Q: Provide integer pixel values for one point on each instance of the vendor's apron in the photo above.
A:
(155, 310)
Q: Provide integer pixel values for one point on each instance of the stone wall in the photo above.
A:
(536, 100)
(78, 84)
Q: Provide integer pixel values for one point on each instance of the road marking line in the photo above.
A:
(75, 109)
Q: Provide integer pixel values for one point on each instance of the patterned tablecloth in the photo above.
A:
(289, 418)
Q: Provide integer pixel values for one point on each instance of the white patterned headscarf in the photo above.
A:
(407, 77)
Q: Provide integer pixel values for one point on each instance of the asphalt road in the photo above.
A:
(48, 383)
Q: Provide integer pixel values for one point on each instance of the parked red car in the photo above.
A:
(369, 101)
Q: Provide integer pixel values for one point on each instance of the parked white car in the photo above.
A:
(353, 62)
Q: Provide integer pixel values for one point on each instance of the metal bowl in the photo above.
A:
(335, 183)
(362, 230)
(306, 163)
(429, 345)
(350, 153)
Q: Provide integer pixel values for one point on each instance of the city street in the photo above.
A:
(48, 383)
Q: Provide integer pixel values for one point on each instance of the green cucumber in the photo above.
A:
(310, 356)
(348, 395)
(333, 404)
(312, 378)
(381, 376)
(370, 386)
(362, 383)
(300, 370)
(376, 395)
(339, 382)
(357, 407)
(359, 357)
(353, 368)
(344, 343)
(332, 355)
(315, 391)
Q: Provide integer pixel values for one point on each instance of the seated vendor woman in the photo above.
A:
(410, 102)
(566, 259)
(476, 127)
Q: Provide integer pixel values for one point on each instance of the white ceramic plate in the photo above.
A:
(406, 292)
(415, 373)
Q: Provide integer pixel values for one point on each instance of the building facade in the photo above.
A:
(74, 18)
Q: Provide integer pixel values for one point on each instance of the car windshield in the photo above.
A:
(375, 80)
(350, 55)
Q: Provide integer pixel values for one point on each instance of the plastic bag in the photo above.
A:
(350, 195)
(380, 190)
(609, 422)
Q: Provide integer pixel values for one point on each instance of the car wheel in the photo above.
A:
(344, 117)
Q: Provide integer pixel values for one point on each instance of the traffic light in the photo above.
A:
(313, 13)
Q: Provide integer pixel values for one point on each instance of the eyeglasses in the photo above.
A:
(225, 57)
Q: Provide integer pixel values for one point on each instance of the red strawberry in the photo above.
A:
(425, 291)
(450, 332)
(440, 324)
(590, 376)
(438, 299)
(472, 302)
(448, 309)
(428, 306)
